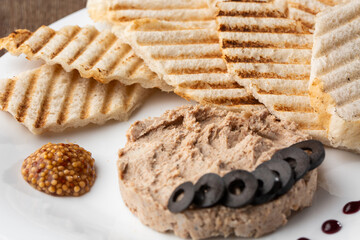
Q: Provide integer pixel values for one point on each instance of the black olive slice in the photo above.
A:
(299, 161)
(268, 183)
(178, 204)
(241, 187)
(209, 190)
(284, 172)
(317, 150)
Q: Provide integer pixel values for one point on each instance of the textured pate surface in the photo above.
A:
(186, 143)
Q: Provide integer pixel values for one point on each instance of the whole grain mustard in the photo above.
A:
(60, 170)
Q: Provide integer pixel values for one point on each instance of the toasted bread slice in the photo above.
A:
(189, 59)
(50, 99)
(122, 12)
(270, 54)
(306, 10)
(98, 55)
(335, 75)
(97, 9)
(300, 10)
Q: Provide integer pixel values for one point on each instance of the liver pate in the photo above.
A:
(184, 144)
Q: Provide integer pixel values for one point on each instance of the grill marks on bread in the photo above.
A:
(270, 54)
(189, 58)
(98, 55)
(50, 99)
(184, 50)
(27, 97)
(335, 75)
(306, 10)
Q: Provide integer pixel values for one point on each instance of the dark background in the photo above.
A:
(31, 14)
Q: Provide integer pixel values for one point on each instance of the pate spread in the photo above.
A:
(186, 143)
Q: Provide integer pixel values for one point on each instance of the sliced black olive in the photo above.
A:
(299, 161)
(284, 172)
(209, 190)
(177, 203)
(241, 187)
(317, 150)
(269, 183)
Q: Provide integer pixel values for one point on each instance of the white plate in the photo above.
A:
(28, 214)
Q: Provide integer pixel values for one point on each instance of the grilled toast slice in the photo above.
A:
(122, 12)
(335, 75)
(188, 57)
(51, 99)
(270, 55)
(98, 55)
